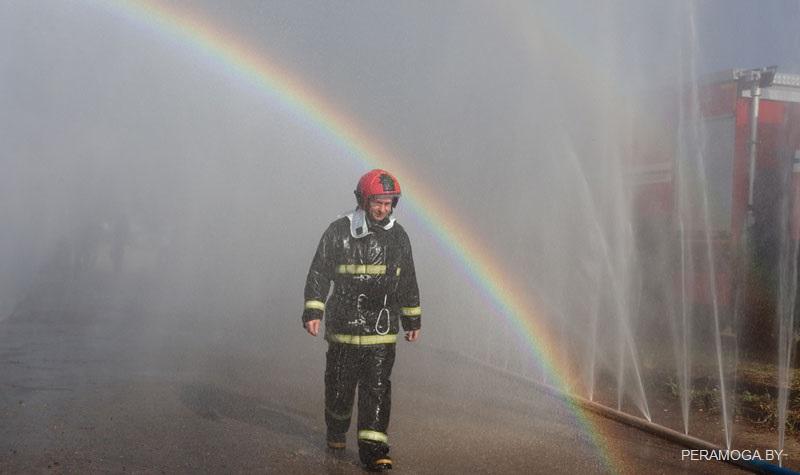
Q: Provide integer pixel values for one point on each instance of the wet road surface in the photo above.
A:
(111, 392)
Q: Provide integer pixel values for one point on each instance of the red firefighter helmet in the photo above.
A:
(377, 183)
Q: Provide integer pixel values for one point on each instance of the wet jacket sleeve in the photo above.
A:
(318, 281)
(408, 292)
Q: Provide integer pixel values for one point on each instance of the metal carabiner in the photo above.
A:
(380, 315)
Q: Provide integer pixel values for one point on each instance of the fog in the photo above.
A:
(143, 178)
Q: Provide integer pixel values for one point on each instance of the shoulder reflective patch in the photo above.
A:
(373, 435)
(362, 339)
(315, 304)
(361, 269)
(398, 271)
(411, 311)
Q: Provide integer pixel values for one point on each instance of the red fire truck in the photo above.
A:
(716, 168)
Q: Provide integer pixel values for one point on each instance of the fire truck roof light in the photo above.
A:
(767, 76)
(763, 76)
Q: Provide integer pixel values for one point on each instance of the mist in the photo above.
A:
(148, 187)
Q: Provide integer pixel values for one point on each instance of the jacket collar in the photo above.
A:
(359, 224)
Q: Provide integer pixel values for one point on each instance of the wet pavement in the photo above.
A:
(117, 393)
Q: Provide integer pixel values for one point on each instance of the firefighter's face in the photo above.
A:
(379, 208)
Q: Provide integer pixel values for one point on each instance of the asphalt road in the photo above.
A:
(117, 392)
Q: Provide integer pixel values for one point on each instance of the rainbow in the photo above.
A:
(223, 50)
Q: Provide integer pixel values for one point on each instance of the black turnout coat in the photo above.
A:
(374, 283)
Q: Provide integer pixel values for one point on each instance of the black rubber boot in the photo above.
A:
(374, 456)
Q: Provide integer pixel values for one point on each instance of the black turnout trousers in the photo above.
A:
(367, 367)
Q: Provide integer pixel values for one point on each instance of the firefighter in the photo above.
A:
(367, 256)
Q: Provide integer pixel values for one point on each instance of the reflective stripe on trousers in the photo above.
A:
(373, 436)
